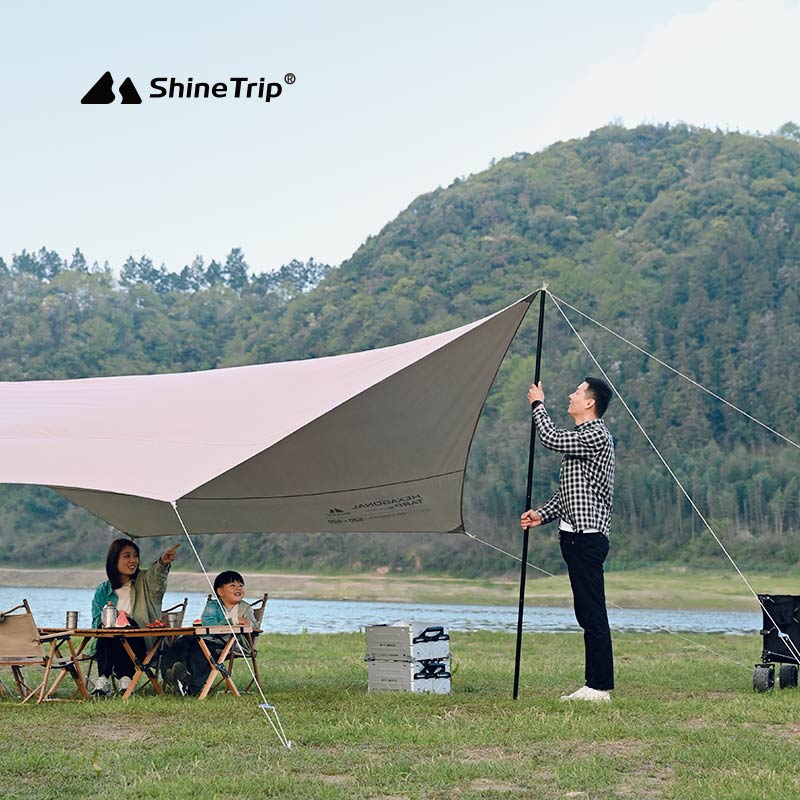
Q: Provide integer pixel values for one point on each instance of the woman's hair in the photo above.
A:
(229, 576)
(112, 560)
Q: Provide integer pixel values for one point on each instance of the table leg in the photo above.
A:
(70, 666)
(55, 652)
(141, 667)
(48, 662)
(217, 668)
(82, 688)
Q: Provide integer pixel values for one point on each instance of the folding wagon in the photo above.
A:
(781, 632)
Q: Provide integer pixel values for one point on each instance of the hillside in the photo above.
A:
(686, 241)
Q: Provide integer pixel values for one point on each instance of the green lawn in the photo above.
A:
(683, 724)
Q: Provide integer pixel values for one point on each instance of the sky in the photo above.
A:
(389, 103)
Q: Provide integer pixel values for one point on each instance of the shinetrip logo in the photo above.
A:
(102, 93)
(170, 88)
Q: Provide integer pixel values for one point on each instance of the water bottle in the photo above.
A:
(108, 617)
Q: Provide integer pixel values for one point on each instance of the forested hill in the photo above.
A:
(685, 241)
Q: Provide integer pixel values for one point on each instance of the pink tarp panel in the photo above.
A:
(375, 441)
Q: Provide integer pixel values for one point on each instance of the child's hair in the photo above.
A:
(112, 560)
(229, 576)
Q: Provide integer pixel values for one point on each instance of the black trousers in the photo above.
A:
(585, 554)
(187, 650)
(113, 658)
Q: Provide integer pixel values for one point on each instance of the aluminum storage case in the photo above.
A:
(430, 675)
(408, 657)
(407, 641)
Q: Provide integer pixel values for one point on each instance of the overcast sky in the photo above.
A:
(389, 102)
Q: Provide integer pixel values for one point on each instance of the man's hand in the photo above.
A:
(535, 393)
(168, 556)
(530, 519)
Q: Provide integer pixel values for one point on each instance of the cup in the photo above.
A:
(172, 619)
(72, 619)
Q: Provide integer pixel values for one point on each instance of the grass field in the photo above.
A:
(683, 724)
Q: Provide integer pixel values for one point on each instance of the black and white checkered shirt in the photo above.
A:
(586, 479)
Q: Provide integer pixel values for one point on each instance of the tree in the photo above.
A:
(789, 130)
(78, 263)
(235, 271)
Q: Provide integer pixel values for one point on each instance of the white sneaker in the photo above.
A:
(587, 693)
(124, 683)
(102, 687)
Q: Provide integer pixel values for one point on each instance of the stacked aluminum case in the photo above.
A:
(408, 657)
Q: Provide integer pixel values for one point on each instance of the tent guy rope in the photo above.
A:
(785, 638)
(676, 371)
(265, 705)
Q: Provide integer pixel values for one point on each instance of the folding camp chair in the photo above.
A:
(258, 612)
(179, 609)
(22, 646)
(258, 607)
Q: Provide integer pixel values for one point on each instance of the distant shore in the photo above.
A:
(422, 589)
(655, 587)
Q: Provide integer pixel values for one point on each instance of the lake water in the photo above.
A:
(49, 607)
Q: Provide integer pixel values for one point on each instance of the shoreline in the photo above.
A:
(298, 586)
(657, 587)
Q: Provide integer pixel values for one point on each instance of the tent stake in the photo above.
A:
(531, 453)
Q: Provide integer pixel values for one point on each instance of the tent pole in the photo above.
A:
(531, 452)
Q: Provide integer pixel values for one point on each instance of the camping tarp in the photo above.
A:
(375, 441)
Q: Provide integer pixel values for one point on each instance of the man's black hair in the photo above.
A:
(229, 576)
(601, 392)
(112, 561)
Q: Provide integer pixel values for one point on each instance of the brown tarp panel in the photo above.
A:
(375, 441)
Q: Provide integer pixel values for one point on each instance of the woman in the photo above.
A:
(136, 592)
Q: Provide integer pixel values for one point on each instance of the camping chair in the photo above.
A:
(179, 609)
(258, 607)
(21, 646)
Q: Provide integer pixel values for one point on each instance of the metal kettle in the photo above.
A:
(108, 617)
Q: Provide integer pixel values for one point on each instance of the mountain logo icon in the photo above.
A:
(102, 93)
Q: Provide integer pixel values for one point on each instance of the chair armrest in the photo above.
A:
(46, 637)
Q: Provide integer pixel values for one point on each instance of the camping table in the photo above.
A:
(160, 635)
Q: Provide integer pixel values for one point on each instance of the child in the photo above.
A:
(185, 666)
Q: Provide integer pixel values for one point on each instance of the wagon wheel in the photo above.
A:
(763, 677)
(787, 677)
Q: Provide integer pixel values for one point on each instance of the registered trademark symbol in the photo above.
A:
(289, 78)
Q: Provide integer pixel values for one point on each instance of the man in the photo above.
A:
(583, 506)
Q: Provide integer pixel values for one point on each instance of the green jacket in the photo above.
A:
(213, 615)
(147, 592)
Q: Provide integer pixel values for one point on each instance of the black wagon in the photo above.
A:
(781, 632)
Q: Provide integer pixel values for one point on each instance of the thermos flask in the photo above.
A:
(108, 617)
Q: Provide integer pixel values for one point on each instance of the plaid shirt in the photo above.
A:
(586, 479)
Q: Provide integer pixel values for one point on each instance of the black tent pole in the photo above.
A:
(524, 566)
